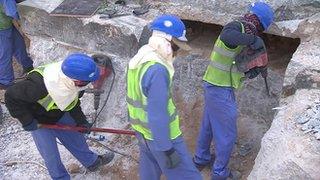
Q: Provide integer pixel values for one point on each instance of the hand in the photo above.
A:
(31, 126)
(173, 158)
(258, 44)
(252, 73)
(87, 127)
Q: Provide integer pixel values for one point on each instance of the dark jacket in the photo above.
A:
(232, 36)
(21, 101)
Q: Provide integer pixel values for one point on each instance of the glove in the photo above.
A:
(173, 158)
(258, 44)
(252, 73)
(32, 126)
(87, 127)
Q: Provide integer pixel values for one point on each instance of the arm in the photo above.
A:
(232, 35)
(10, 8)
(20, 96)
(77, 113)
(155, 84)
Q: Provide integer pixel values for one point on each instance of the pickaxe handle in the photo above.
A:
(82, 129)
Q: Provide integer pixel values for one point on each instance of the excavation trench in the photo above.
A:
(255, 107)
(118, 37)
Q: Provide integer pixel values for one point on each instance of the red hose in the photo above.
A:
(82, 129)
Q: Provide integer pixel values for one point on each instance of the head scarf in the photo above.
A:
(252, 24)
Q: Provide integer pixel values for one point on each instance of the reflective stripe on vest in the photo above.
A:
(137, 104)
(224, 67)
(47, 102)
(5, 21)
(222, 70)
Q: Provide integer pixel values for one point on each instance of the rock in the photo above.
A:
(286, 152)
(302, 119)
(118, 36)
(292, 17)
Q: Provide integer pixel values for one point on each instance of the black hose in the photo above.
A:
(112, 150)
(108, 95)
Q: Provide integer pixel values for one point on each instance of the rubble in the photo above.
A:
(310, 119)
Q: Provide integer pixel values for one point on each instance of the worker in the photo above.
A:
(219, 121)
(11, 44)
(152, 112)
(50, 94)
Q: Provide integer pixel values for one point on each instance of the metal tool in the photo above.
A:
(83, 129)
(264, 74)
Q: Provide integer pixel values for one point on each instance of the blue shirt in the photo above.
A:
(156, 87)
(10, 8)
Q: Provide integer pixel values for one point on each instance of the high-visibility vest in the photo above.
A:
(137, 103)
(5, 21)
(47, 102)
(222, 70)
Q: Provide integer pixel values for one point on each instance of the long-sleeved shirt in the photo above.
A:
(232, 36)
(10, 9)
(21, 101)
(156, 87)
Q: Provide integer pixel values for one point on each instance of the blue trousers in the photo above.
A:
(153, 163)
(45, 140)
(219, 123)
(12, 44)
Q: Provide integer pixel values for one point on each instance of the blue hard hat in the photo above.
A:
(80, 67)
(171, 25)
(264, 13)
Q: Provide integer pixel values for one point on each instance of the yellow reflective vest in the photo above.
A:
(47, 102)
(137, 103)
(222, 70)
(5, 21)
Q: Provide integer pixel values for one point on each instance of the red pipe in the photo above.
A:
(82, 129)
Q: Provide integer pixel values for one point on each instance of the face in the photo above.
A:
(175, 48)
(80, 83)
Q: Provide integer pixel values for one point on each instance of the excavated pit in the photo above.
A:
(254, 106)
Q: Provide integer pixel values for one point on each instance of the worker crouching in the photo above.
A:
(50, 94)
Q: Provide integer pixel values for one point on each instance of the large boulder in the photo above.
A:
(286, 151)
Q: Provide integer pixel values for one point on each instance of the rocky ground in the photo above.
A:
(288, 150)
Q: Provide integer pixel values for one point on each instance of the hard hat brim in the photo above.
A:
(182, 44)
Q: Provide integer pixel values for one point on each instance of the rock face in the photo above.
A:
(291, 15)
(286, 151)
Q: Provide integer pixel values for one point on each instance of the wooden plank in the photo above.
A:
(77, 8)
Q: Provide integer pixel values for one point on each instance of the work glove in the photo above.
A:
(258, 44)
(252, 73)
(87, 127)
(32, 126)
(173, 158)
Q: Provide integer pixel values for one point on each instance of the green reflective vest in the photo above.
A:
(5, 21)
(137, 103)
(222, 70)
(47, 102)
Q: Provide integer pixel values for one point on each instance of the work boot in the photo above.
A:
(101, 160)
(200, 167)
(234, 175)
